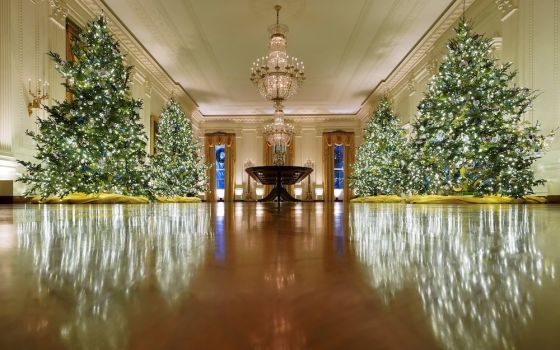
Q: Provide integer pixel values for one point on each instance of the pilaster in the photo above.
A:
(56, 43)
(6, 80)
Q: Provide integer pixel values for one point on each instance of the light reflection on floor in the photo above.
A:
(475, 274)
(310, 276)
(97, 265)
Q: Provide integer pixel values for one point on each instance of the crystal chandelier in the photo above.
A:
(277, 76)
(278, 134)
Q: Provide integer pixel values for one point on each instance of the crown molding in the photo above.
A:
(259, 119)
(159, 79)
(164, 85)
(507, 8)
(416, 55)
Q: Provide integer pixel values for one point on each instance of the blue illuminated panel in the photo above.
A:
(338, 167)
(220, 167)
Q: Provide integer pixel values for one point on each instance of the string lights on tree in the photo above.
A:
(471, 132)
(94, 142)
(381, 165)
(178, 169)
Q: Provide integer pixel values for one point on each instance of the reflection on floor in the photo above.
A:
(309, 276)
(475, 274)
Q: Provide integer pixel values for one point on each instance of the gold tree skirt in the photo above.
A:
(178, 199)
(108, 198)
(380, 199)
(467, 199)
(91, 198)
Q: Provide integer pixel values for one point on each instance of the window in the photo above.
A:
(338, 167)
(220, 167)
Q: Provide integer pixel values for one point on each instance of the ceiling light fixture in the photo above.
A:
(277, 77)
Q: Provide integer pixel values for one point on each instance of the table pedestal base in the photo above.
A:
(280, 194)
(278, 176)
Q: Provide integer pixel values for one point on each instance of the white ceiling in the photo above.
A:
(348, 46)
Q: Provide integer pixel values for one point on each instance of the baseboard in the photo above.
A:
(553, 199)
(14, 200)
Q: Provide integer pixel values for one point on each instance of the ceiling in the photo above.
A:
(348, 47)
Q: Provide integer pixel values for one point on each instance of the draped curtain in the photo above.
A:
(72, 33)
(330, 139)
(210, 142)
(268, 156)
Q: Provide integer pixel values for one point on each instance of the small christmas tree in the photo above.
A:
(93, 142)
(381, 165)
(177, 167)
(471, 135)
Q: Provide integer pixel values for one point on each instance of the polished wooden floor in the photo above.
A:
(306, 276)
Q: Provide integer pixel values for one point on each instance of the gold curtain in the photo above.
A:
(210, 141)
(330, 139)
(268, 156)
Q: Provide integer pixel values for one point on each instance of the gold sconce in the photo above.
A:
(40, 94)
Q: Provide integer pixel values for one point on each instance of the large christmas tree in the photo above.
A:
(471, 131)
(93, 142)
(178, 168)
(381, 165)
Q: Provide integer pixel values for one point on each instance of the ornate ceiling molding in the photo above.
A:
(58, 10)
(159, 78)
(412, 60)
(506, 7)
(411, 87)
(297, 119)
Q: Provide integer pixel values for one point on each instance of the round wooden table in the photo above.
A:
(278, 176)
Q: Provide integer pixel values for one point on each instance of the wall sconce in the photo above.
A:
(40, 94)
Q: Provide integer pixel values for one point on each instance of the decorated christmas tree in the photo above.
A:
(178, 168)
(93, 142)
(381, 165)
(471, 132)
